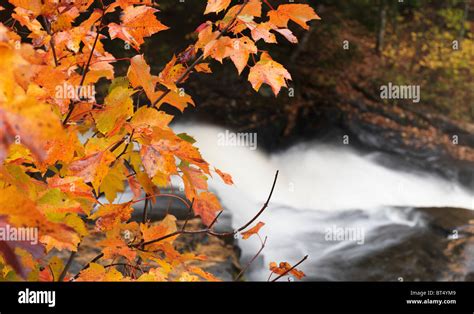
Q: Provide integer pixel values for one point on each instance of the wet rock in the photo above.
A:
(441, 248)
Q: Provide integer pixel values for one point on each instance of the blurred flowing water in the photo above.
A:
(320, 188)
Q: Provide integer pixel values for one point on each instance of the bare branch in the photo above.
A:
(141, 246)
(145, 210)
(264, 205)
(51, 41)
(242, 272)
(66, 267)
(187, 216)
(208, 229)
(95, 259)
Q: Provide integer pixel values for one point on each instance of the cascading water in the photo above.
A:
(320, 189)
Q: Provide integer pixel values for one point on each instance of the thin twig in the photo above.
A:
(128, 140)
(123, 264)
(51, 41)
(141, 245)
(66, 267)
(215, 219)
(182, 200)
(211, 232)
(251, 261)
(188, 214)
(264, 205)
(145, 211)
(86, 68)
(95, 259)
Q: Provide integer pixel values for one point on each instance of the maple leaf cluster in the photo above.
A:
(65, 159)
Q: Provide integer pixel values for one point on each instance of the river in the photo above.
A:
(331, 202)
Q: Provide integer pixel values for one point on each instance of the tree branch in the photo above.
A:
(86, 68)
(187, 216)
(145, 210)
(251, 261)
(95, 259)
(51, 41)
(141, 245)
(124, 264)
(66, 267)
(208, 229)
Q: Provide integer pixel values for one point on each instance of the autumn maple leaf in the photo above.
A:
(298, 13)
(137, 23)
(269, 72)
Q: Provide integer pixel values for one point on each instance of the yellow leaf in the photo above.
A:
(146, 118)
(114, 182)
(171, 73)
(154, 274)
(76, 222)
(139, 76)
(118, 108)
(95, 272)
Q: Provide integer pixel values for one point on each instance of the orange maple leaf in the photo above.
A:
(224, 176)
(270, 72)
(206, 205)
(254, 230)
(137, 22)
(298, 13)
(216, 6)
(92, 168)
